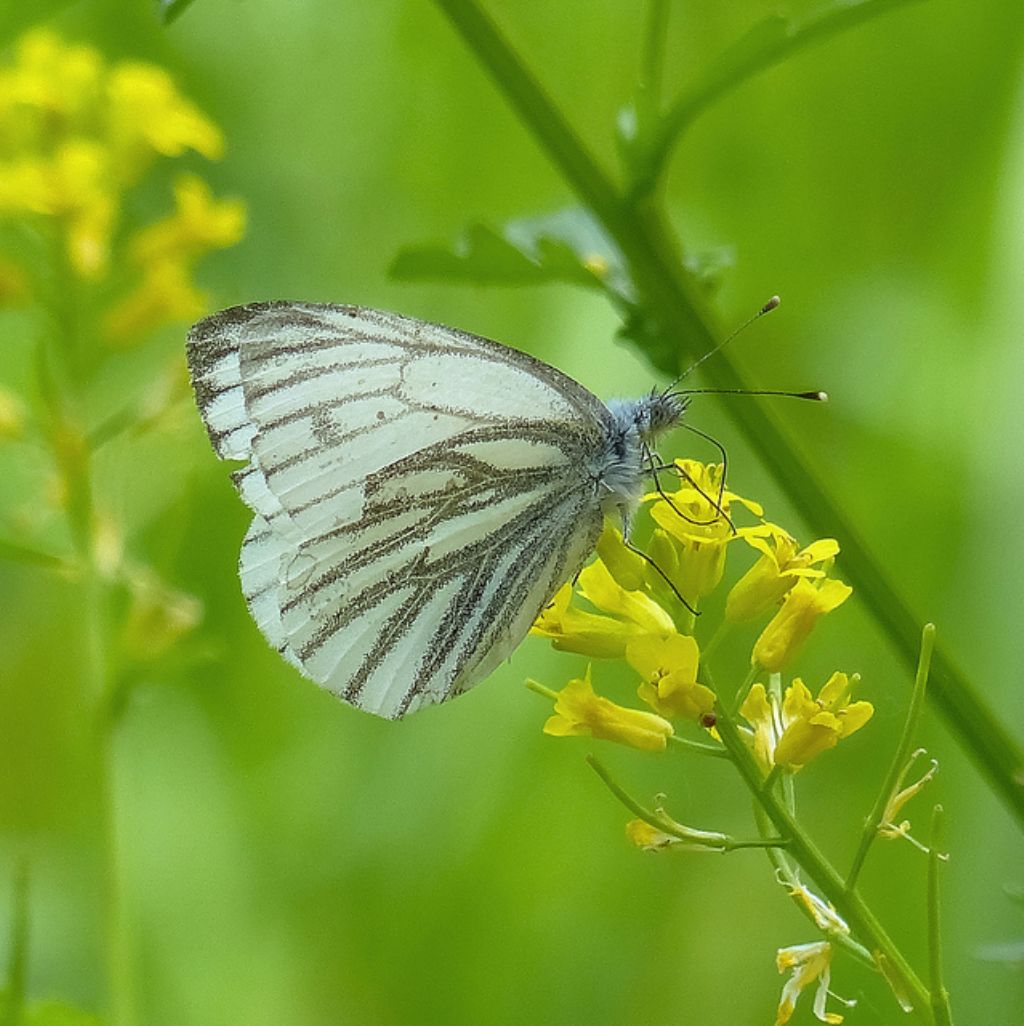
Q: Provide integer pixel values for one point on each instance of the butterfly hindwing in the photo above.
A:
(420, 492)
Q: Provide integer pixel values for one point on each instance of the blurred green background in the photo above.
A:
(281, 857)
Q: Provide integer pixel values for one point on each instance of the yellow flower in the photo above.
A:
(695, 518)
(82, 195)
(814, 725)
(75, 132)
(781, 565)
(633, 614)
(72, 185)
(146, 114)
(805, 726)
(806, 963)
(788, 629)
(581, 713)
(199, 224)
(669, 666)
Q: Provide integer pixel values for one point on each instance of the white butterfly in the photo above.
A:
(420, 493)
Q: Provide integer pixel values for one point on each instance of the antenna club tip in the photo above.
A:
(822, 397)
(771, 305)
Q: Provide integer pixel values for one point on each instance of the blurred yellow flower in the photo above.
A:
(669, 668)
(75, 133)
(200, 223)
(54, 83)
(580, 712)
(804, 726)
(147, 113)
(806, 963)
(803, 606)
(781, 565)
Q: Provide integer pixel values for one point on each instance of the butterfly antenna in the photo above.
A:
(767, 308)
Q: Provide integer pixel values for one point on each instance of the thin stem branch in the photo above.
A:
(705, 839)
(652, 67)
(862, 921)
(685, 329)
(900, 757)
(940, 995)
(698, 748)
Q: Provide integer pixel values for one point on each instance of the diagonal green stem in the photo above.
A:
(687, 328)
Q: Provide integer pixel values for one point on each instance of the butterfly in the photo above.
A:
(419, 493)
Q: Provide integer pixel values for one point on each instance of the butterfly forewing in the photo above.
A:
(419, 492)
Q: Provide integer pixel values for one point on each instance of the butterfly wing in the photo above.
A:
(420, 492)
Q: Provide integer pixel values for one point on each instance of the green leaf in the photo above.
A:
(566, 246)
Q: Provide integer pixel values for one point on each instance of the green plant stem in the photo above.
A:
(940, 996)
(899, 759)
(686, 325)
(652, 67)
(60, 388)
(709, 840)
(698, 747)
(862, 921)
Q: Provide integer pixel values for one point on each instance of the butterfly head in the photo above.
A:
(656, 413)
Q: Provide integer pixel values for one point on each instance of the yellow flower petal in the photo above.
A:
(806, 963)
(801, 609)
(669, 664)
(804, 726)
(782, 563)
(582, 713)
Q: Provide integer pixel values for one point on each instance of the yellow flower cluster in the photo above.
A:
(76, 134)
(644, 613)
